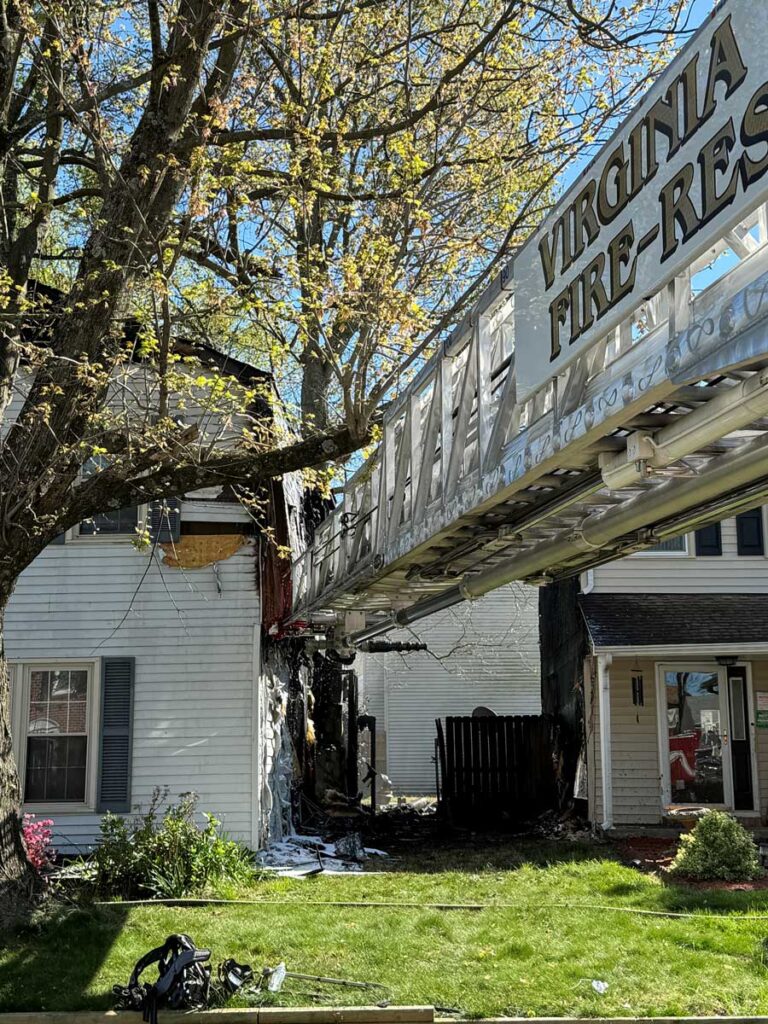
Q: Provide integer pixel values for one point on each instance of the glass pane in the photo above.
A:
(78, 684)
(40, 686)
(59, 686)
(695, 737)
(122, 520)
(671, 544)
(58, 702)
(56, 768)
(47, 719)
(738, 711)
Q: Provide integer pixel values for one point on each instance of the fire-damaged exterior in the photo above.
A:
(136, 669)
(563, 649)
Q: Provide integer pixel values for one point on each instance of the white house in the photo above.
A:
(676, 677)
(482, 656)
(136, 669)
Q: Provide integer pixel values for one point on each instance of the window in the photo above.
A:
(57, 712)
(108, 524)
(749, 532)
(122, 520)
(671, 546)
(72, 732)
(709, 541)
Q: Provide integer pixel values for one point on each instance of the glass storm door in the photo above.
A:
(696, 740)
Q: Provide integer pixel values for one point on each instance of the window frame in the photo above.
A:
(21, 670)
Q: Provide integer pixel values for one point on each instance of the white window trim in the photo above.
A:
(20, 672)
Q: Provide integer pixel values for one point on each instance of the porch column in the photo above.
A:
(606, 764)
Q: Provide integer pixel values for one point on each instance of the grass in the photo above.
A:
(537, 957)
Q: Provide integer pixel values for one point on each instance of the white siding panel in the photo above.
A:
(634, 745)
(484, 653)
(687, 574)
(192, 635)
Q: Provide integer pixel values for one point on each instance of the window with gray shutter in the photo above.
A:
(165, 520)
(114, 787)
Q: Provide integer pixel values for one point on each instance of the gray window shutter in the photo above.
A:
(116, 740)
(709, 540)
(60, 538)
(749, 532)
(165, 520)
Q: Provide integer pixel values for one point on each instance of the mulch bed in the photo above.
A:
(648, 853)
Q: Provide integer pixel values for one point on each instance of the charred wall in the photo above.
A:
(563, 649)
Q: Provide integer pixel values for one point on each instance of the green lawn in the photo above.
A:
(537, 957)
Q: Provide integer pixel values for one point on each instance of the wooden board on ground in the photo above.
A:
(254, 1015)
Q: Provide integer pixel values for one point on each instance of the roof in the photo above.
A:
(663, 620)
(53, 299)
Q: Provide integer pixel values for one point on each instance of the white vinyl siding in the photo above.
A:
(634, 747)
(192, 633)
(494, 662)
(647, 573)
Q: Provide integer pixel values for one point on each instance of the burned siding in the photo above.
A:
(563, 649)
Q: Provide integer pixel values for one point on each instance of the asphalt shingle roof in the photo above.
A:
(629, 620)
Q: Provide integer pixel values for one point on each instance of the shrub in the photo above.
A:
(717, 849)
(38, 839)
(167, 854)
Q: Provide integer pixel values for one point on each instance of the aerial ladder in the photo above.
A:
(651, 422)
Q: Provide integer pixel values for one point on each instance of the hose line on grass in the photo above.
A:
(413, 905)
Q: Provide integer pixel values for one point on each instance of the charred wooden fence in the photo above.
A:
(495, 771)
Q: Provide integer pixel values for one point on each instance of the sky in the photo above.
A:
(697, 11)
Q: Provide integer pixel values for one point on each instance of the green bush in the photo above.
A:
(717, 849)
(166, 854)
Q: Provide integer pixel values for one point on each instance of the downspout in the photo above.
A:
(606, 764)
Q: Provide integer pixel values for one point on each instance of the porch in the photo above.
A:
(676, 709)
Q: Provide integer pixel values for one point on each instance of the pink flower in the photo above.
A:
(38, 839)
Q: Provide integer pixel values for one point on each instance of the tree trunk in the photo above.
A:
(17, 879)
(315, 385)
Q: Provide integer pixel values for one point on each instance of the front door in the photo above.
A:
(705, 736)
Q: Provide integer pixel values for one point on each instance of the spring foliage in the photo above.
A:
(165, 854)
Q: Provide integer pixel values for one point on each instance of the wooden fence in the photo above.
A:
(495, 771)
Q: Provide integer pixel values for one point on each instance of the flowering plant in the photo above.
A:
(38, 839)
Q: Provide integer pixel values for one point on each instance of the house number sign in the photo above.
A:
(761, 719)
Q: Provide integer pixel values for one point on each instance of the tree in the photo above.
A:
(318, 188)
